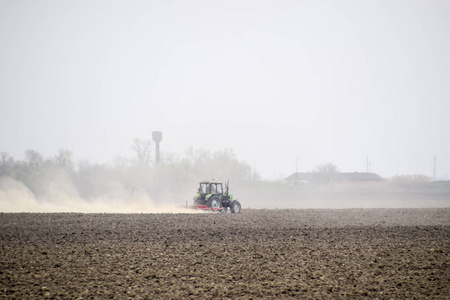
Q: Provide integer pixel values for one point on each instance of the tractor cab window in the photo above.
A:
(204, 188)
(210, 188)
(216, 188)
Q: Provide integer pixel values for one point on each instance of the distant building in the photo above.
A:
(317, 177)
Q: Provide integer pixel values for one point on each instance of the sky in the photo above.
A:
(287, 85)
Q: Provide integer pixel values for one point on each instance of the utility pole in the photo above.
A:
(434, 168)
(367, 164)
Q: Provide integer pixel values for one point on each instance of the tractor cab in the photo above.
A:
(210, 187)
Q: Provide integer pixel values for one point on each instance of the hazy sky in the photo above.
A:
(324, 81)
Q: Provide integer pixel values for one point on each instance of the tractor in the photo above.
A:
(212, 196)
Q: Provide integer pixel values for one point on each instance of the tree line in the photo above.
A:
(174, 173)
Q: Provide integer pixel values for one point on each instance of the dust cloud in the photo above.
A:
(62, 196)
(57, 184)
(128, 185)
(323, 200)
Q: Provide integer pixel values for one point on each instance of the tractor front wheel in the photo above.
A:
(235, 207)
(213, 202)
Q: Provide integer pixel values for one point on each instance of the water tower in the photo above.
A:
(157, 138)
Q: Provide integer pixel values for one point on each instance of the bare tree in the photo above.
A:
(6, 164)
(64, 160)
(325, 173)
(142, 150)
(328, 168)
(34, 159)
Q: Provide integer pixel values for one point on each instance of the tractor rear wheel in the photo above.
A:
(235, 207)
(213, 202)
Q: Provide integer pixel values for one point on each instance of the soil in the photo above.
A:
(340, 254)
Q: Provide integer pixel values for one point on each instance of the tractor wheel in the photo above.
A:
(213, 202)
(235, 207)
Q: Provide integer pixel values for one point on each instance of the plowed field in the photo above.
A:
(351, 253)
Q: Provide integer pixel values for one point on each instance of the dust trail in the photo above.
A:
(61, 196)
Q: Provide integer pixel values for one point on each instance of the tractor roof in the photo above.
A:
(211, 181)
